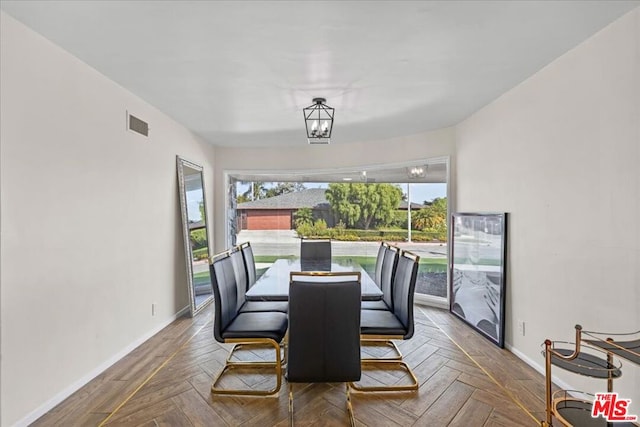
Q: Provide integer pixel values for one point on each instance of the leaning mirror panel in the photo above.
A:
(193, 208)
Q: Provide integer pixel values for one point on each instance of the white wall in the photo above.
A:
(90, 221)
(91, 229)
(439, 143)
(561, 154)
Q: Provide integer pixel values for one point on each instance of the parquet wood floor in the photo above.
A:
(464, 381)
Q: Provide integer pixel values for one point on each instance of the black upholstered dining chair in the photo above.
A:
(393, 324)
(249, 263)
(231, 326)
(385, 270)
(240, 270)
(315, 249)
(324, 330)
(379, 260)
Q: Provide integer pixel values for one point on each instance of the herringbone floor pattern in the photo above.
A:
(464, 381)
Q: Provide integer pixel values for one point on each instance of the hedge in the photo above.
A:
(373, 235)
(202, 253)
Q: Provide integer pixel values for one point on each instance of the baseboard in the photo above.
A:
(51, 403)
(538, 367)
(430, 301)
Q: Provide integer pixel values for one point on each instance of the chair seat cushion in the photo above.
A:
(375, 305)
(257, 325)
(258, 306)
(380, 322)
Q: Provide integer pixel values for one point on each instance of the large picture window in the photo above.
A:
(405, 205)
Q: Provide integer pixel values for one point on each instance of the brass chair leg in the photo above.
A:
(284, 344)
(388, 365)
(246, 346)
(291, 404)
(229, 365)
(381, 341)
(352, 420)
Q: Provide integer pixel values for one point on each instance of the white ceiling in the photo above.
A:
(239, 73)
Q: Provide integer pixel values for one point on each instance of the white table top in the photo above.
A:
(273, 285)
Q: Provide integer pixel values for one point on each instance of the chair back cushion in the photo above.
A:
(379, 259)
(404, 285)
(315, 249)
(324, 331)
(241, 276)
(388, 271)
(249, 263)
(225, 294)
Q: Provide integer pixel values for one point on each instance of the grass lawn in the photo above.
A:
(271, 258)
(201, 275)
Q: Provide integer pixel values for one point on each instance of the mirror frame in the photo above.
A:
(188, 253)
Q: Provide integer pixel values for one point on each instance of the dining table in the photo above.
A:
(273, 285)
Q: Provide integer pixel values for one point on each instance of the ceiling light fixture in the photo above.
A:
(318, 120)
(417, 172)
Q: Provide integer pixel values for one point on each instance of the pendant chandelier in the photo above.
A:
(318, 120)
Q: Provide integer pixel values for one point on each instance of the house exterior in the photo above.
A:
(414, 206)
(278, 213)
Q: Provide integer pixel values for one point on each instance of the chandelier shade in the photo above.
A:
(318, 121)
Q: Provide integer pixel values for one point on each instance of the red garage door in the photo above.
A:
(272, 219)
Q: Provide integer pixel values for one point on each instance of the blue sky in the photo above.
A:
(194, 198)
(426, 192)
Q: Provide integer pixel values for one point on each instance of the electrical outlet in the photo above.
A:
(521, 327)
(153, 308)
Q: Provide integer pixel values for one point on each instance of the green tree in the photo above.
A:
(257, 190)
(343, 203)
(433, 217)
(198, 238)
(303, 216)
(284, 188)
(364, 205)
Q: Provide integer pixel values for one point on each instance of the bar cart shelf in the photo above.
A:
(594, 355)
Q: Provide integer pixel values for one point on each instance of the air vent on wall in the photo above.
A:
(136, 125)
